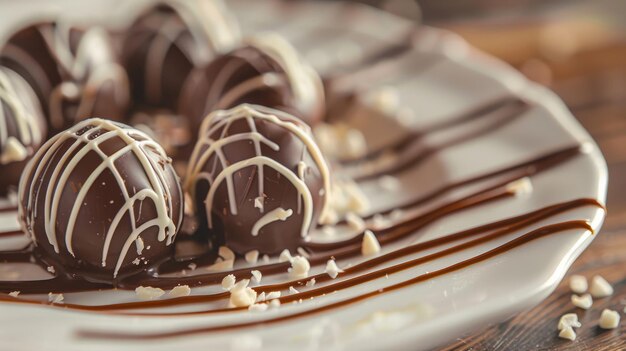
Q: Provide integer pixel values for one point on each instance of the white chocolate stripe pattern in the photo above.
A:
(157, 191)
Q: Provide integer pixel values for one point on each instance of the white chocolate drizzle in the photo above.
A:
(277, 214)
(13, 148)
(95, 132)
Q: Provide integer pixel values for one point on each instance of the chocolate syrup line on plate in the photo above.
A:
(524, 168)
(8, 209)
(492, 230)
(483, 110)
(510, 245)
(408, 157)
(11, 233)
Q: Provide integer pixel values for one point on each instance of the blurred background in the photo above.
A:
(577, 49)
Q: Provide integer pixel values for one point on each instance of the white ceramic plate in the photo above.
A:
(439, 78)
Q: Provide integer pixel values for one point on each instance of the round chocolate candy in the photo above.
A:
(267, 71)
(258, 179)
(101, 201)
(75, 73)
(169, 40)
(22, 127)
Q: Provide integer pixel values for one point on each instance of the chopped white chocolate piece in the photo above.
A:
(380, 221)
(285, 256)
(138, 243)
(370, 245)
(14, 293)
(568, 320)
(179, 291)
(192, 266)
(241, 295)
(275, 303)
(293, 290)
(261, 296)
(578, 284)
(567, 333)
(148, 293)
(332, 270)
(50, 269)
(55, 298)
(389, 183)
(600, 287)
(258, 307)
(609, 319)
(272, 295)
(583, 301)
(226, 253)
(266, 259)
(228, 282)
(221, 265)
(303, 252)
(256, 276)
(310, 283)
(300, 267)
(355, 222)
(252, 256)
(520, 187)
(258, 203)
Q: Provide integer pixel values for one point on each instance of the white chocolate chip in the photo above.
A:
(179, 291)
(221, 265)
(272, 295)
(310, 283)
(567, 333)
(355, 222)
(583, 301)
(241, 295)
(192, 266)
(252, 256)
(261, 296)
(14, 293)
(55, 298)
(256, 276)
(50, 269)
(226, 253)
(293, 290)
(609, 319)
(578, 284)
(600, 287)
(228, 282)
(285, 256)
(148, 293)
(13, 151)
(568, 320)
(275, 303)
(300, 267)
(332, 270)
(370, 245)
(258, 307)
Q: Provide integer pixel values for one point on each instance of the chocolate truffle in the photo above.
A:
(101, 201)
(75, 73)
(22, 127)
(267, 71)
(258, 180)
(170, 39)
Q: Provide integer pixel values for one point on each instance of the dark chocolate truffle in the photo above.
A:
(267, 71)
(22, 127)
(170, 39)
(258, 179)
(101, 200)
(75, 73)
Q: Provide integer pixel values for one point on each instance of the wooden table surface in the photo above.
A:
(592, 81)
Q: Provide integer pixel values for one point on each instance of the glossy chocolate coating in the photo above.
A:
(235, 229)
(167, 41)
(74, 72)
(22, 127)
(255, 74)
(96, 180)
